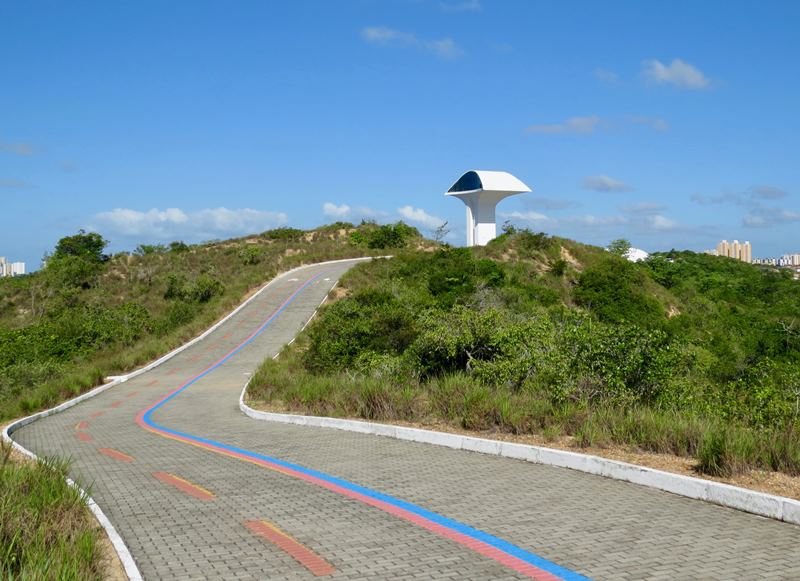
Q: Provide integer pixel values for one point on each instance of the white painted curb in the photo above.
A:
(131, 569)
(768, 505)
(124, 554)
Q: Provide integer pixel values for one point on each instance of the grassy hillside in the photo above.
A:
(689, 354)
(87, 315)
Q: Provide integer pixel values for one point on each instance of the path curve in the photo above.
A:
(198, 490)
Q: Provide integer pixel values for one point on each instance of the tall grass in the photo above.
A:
(32, 386)
(46, 531)
(720, 448)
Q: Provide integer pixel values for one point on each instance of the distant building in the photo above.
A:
(11, 268)
(636, 254)
(789, 260)
(739, 251)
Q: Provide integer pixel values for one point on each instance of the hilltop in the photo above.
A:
(88, 315)
(682, 353)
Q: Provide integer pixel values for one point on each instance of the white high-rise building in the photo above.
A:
(735, 249)
(11, 268)
(789, 260)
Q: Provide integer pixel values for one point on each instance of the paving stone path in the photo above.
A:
(197, 490)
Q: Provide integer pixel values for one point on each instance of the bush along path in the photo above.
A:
(684, 354)
(197, 490)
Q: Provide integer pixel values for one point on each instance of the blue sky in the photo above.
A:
(673, 125)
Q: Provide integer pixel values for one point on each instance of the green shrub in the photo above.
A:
(615, 290)
(146, 249)
(558, 267)
(205, 288)
(285, 234)
(530, 242)
(370, 322)
(251, 254)
(87, 246)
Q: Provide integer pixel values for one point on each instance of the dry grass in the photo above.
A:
(46, 530)
(766, 481)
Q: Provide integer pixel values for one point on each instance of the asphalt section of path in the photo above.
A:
(198, 490)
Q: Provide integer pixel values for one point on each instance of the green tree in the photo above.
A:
(86, 245)
(620, 246)
(615, 290)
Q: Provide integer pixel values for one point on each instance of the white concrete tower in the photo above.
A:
(481, 191)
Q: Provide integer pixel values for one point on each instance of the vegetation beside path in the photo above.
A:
(685, 354)
(46, 532)
(88, 315)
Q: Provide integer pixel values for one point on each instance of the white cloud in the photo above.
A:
(542, 203)
(420, 217)
(768, 192)
(656, 123)
(750, 197)
(18, 148)
(678, 73)
(529, 216)
(643, 208)
(597, 221)
(365, 212)
(384, 36)
(173, 223)
(603, 183)
(343, 211)
(661, 223)
(465, 6)
(445, 48)
(335, 211)
(15, 184)
(606, 76)
(723, 198)
(762, 217)
(571, 125)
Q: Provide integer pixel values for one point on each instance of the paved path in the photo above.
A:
(198, 490)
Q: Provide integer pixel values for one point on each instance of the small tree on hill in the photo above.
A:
(86, 245)
(620, 246)
(440, 232)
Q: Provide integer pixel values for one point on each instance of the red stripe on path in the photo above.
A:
(299, 552)
(184, 486)
(152, 383)
(116, 454)
(131, 394)
(82, 425)
(83, 436)
(116, 404)
(97, 414)
(227, 335)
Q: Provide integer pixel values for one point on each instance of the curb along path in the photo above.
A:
(198, 490)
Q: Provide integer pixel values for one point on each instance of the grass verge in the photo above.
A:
(46, 529)
(461, 402)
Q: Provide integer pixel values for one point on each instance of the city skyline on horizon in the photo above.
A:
(188, 122)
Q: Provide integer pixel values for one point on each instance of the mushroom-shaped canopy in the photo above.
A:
(481, 191)
(488, 181)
